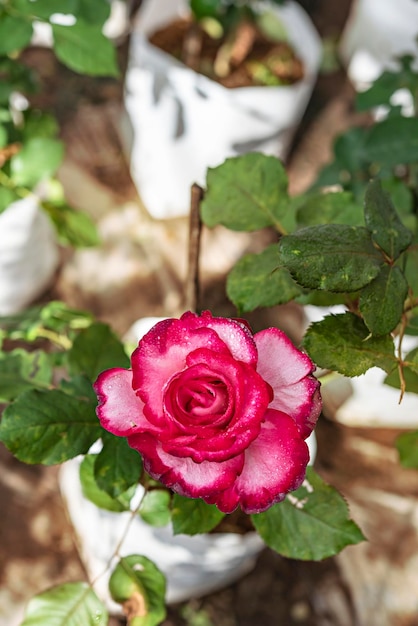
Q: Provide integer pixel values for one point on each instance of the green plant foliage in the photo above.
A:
(381, 91)
(343, 343)
(117, 466)
(407, 446)
(72, 604)
(21, 371)
(330, 208)
(246, 193)
(257, 280)
(205, 8)
(384, 223)
(93, 11)
(74, 228)
(350, 166)
(393, 142)
(38, 159)
(15, 33)
(311, 524)
(334, 257)
(96, 349)
(98, 496)
(43, 9)
(193, 516)
(409, 372)
(7, 196)
(155, 507)
(137, 579)
(382, 301)
(54, 319)
(84, 49)
(49, 427)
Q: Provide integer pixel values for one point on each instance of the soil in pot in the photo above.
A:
(251, 60)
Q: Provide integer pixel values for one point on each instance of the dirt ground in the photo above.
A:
(133, 274)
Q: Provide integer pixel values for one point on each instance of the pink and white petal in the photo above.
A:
(275, 463)
(280, 363)
(302, 401)
(183, 475)
(120, 411)
(236, 336)
(162, 353)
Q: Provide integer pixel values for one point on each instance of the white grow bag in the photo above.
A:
(375, 33)
(28, 254)
(193, 565)
(180, 122)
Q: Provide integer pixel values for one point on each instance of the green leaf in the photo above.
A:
(407, 446)
(84, 49)
(74, 227)
(138, 579)
(382, 301)
(204, 8)
(15, 33)
(330, 208)
(117, 466)
(7, 196)
(382, 220)
(44, 8)
(96, 349)
(38, 159)
(410, 270)
(333, 257)
(257, 280)
(311, 524)
(39, 124)
(79, 387)
(343, 343)
(71, 604)
(386, 84)
(412, 328)
(49, 427)
(155, 507)
(21, 370)
(193, 516)
(248, 192)
(350, 164)
(100, 498)
(410, 373)
(393, 142)
(93, 11)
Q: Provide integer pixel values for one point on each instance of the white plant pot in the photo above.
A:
(375, 33)
(365, 401)
(180, 122)
(28, 254)
(193, 565)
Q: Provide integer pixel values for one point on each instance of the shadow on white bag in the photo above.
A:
(180, 122)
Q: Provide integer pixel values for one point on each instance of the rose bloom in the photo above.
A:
(216, 412)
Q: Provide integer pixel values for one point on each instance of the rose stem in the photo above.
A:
(195, 229)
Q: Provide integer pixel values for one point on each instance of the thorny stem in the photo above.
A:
(400, 362)
(195, 230)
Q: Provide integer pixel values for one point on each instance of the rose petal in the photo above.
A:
(120, 411)
(184, 476)
(289, 372)
(275, 463)
(248, 400)
(162, 353)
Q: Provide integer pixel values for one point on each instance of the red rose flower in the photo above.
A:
(216, 412)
